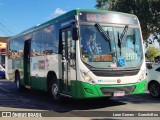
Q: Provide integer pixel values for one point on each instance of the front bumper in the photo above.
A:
(85, 90)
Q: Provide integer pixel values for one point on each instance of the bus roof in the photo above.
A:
(61, 17)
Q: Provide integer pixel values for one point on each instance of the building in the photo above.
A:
(3, 39)
(3, 50)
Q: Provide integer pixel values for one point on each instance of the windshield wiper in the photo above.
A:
(120, 39)
(104, 34)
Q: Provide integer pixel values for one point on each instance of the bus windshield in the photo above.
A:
(110, 46)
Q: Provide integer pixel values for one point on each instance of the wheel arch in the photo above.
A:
(50, 75)
(16, 72)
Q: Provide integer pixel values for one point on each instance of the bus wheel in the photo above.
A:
(4, 77)
(154, 89)
(18, 84)
(54, 90)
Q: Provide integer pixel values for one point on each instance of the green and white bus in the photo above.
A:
(80, 54)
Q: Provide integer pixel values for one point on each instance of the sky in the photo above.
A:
(19, 15)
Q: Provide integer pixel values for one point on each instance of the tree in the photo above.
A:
(102, 4)
(147, 11)
(151, 53)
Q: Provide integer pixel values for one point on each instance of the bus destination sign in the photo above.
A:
(115, 18)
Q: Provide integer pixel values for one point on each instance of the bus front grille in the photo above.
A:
(110, 91)
(110, 73)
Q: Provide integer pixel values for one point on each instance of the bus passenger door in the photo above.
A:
(68, 60)
(26, 60)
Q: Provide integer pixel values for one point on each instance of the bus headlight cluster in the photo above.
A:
(87, 77)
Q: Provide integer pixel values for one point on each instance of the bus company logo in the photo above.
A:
(100, 81)
(41, 64)
(118, 81)
(21, 114)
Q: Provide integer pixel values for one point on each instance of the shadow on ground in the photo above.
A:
(38, 100)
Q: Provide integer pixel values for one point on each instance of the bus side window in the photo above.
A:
(49, 44)
(36, 43)
(16, 48)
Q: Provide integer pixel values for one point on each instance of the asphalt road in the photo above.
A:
(32, 100)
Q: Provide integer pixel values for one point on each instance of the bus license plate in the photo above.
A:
(119, 93)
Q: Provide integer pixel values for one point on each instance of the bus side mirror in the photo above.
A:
(75, 33)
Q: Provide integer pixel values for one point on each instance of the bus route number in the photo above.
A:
(98, 58)
(131, 56)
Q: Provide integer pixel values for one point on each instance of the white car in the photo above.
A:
(153, 79)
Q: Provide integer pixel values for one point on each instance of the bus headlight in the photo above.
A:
(87, 77)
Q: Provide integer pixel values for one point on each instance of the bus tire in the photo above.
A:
(53, 89)
(154, 89)
(17, 81)
(4, 77)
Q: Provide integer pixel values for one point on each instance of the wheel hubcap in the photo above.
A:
(17, 83)
(54, 90)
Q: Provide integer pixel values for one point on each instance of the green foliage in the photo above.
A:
(151, 53)
(148, 12)
(102, 4)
